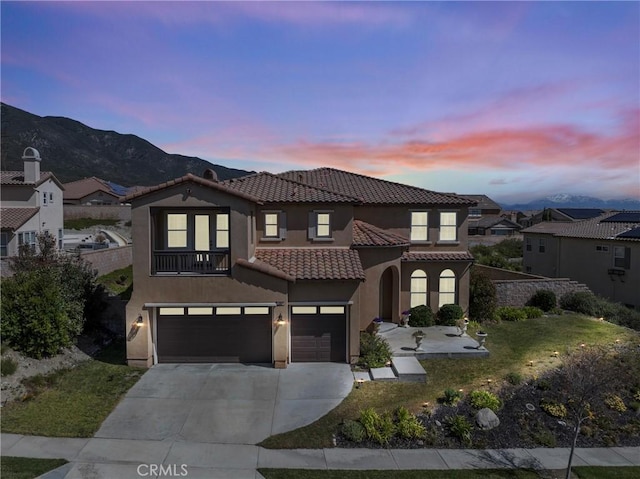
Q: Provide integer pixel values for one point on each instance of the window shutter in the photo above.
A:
(627, 258)
(312, 225)
(282, 223)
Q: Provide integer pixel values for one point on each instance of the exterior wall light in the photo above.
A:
(139, 321)
(280, 321)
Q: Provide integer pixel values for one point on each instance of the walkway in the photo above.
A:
(108, 458)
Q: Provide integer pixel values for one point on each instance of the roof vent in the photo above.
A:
(210, 175)
(31, 159)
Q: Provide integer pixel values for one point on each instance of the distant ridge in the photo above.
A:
(74, 151)
(563, 200)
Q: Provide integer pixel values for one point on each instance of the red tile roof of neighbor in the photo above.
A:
(595, 228)
(437, 256)
(13, 218)
(371, 190)
(314, 263)
(17, 178)
(365, 234)
(271, 188)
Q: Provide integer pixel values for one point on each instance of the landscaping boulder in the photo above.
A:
(487, 419)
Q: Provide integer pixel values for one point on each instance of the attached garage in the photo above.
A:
(318, 334)
(214, 335)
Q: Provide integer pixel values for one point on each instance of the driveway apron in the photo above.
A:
(226, 403)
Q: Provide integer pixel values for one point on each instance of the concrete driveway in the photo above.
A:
(226, 403)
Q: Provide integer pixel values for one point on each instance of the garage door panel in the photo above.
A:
(318, 338)
(245, 339)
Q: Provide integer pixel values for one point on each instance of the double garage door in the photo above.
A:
(214, 335)
(245, 334)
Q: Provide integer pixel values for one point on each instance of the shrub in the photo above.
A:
(379, 428)
(408, 426)
(460, 427)
(451, 397)
(449, 314)
(8, 366)
(544, 299)
(635, 405)
(421, 316)
(543, 384)
(615, 402)
(509, 313)
(482, 399)
(532, 312)
(513, 378)
(582, 302)
(354, 431)
(482, 297)
(553, 408)
(375, 351)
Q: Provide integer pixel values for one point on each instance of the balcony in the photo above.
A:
(214, 262)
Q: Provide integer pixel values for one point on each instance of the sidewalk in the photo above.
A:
(108, 458)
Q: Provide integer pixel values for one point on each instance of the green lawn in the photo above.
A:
(72, 402)
(512, 346)
(579, 472)
(119, 282)
(27, 467)
(82, 223)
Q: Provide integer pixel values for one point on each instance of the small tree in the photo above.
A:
(482, 300)
(45, 304)
(586, 376)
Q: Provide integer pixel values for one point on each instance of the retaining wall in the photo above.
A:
(109, 259)
(111, 212)
(518, 292)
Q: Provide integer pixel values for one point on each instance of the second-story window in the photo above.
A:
(274, 225)
(448, 226)
(621, 257)
(320, 225)
(176, 230)
(197, 231)
(528, 244)
(222, 230)
(541, 246)
(419, 226)
(45, 197)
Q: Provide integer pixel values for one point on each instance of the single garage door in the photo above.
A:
(318, 334)
(214, 335)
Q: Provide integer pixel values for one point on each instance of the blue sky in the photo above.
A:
(513, 99)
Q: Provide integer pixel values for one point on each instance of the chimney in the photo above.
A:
(210, 174)
(31, 159)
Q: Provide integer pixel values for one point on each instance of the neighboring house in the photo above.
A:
(601, 252)
(292, 267)
(93, 191)
(562, 215)
(486, 218)
(31, 204)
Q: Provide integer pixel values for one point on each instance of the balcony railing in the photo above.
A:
(192, 262)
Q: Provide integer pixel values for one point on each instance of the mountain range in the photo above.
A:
(72, 151)
(564, 200)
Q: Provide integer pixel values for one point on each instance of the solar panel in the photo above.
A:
(624, 217)
(117, 189)
(581, 213)
(634, 233)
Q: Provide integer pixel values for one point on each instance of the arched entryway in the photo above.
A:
(389, 294)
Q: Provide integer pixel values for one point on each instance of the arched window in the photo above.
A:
(418, 288)
(447, 288)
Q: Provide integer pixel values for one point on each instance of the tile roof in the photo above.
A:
(271, 188)
(601, 227)
(13, 218)
(488, 221)
(263, 267)
(484, 202)
(314, 263)
(580, 213)
(371, 190)
(193, 179)
(76, 190)
(17, 178)
(437, 256)
(598, 228)
(365, 234)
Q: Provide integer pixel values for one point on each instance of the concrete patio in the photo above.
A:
(439, 342)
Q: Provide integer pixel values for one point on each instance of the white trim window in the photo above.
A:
(621, 257)
(448, 226)
(45, 197)
(419, 288)
(176, 230)
(419, 226)
(447, 290)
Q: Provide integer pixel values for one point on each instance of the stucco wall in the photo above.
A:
(116, 212)
(109, 259)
